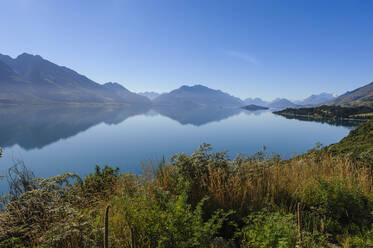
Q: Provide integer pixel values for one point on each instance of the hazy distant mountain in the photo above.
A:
(361, 96)
(277, 103)
(281, 103)
(44, 82)
(197, 96)
(255, 101)
(119, 93)
(149, 94)
(316, 99)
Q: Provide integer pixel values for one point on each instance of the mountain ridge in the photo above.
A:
(362, 96)
(50, 83)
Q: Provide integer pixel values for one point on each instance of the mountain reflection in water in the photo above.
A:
(38, 126)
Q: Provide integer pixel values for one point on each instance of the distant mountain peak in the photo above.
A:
(199, 88)
(114, 85)
(193, 86)
(29, 56)
(197, 95)
(281, 100)
(196, 87)
(281, 103)
(26, 55)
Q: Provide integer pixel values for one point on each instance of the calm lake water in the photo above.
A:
(52, 140)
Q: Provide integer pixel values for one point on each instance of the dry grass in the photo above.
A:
(251, 185)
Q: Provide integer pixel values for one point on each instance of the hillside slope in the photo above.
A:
(357, 145)
(362, 96)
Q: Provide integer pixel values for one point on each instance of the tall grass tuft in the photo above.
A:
(106, 235)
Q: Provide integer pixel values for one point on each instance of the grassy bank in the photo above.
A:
(200, 200)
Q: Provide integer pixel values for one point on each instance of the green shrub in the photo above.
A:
(154, 218)
(336, 208)
(101, 183)
(269, 230)
(362, 240)
(12, 243)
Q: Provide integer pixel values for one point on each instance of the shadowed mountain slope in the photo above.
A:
(45, 82)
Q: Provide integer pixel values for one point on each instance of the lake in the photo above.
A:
(52, 140)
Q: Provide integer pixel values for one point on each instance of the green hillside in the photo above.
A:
(357, 145)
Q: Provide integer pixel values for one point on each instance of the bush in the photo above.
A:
(99, 184)
(44, 216)
(364, 240)
(154, 218)
(269, 230)
(12, 243)
(336, 208)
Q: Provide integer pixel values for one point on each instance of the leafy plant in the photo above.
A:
(154, 218)
(100, 183)
(338, 209)
(269, 230)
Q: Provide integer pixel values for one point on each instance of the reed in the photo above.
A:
(299, 222)
(106, 235)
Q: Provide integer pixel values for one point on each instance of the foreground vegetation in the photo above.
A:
(358, 145)
(200, 200)
(330, 112)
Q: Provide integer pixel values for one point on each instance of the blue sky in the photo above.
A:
(248, 48)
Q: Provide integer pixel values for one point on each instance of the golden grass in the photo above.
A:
(252, 184)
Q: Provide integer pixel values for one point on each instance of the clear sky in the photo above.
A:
(261, 48)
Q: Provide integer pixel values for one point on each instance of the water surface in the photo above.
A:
(52, 140)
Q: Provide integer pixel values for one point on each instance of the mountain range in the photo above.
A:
(30, 79)
(285, 103)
